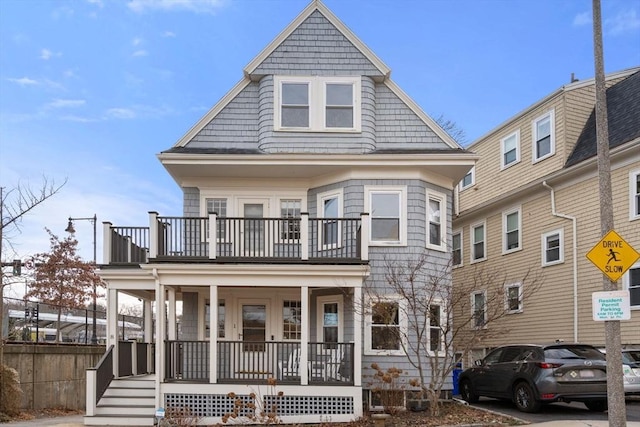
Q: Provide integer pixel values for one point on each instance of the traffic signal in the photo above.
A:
(17, 267)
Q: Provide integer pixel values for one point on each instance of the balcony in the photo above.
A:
(239, 240)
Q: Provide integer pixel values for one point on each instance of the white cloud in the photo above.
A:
(120, 113)
(168, 34)
(96, 2)
(77, 119)
(140, 52)
(582, 19)
(196, 6)
(24, 81)
(623, 22)
(136, 42)
(66, 103)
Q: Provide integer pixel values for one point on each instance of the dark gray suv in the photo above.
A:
(531, 375)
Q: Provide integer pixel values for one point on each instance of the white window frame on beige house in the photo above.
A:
(545, 247)
(631, 287)
(463, 185)
(472, 241)
(459, 248)
(511, 139)
(507, 298)
(634, 195)
(438, 218)
(474, 295)
(506, 231)
(536, 156)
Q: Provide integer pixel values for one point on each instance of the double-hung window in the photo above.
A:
(290, 224)
(543, 137)
(317, 104)
(436, 218)
(387, 327)
(634, 195)
(436, 321)
(456, 248)
(387, 207)
(291, 319)
(478, 242)
(479, 308)
(512, 230)
(469, 179)
(631, 282)
(330, 208)
(552, 248)
(219, 207)
(513, 298)
(510, 146)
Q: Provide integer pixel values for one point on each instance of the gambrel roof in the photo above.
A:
(623, 114)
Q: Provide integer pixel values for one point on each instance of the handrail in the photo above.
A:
(104, 373)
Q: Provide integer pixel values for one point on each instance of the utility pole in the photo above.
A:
(615, 387)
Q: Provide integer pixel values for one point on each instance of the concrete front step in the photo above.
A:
(121, 420)
(130, 409)
(127, 400)
(128, 391)
(132, 382)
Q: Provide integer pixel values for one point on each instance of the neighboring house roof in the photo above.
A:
(623, 113)
(251, 74)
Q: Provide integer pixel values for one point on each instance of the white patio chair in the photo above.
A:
(290, 367)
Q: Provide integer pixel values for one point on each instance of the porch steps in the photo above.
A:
(127, 402)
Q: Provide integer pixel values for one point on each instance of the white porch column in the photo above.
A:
(148, 321)
(172, 321)
(304, 336)
(213, 236)
(106, 242)
(160, 337)
(213, 334)
(357, 338)
(153, 235)
(364, 236)
(112, 326)
(304, 235)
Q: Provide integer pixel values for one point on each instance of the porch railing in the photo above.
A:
(257, 361)
(239, 239)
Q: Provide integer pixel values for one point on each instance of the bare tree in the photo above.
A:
(61, 277)
(14, 205)
(456, 132)
(440, 319)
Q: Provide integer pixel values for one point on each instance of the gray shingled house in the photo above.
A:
(298, 184)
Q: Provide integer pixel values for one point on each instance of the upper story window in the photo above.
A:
(510, 147)
(543, 137)
(219, 207)
(387, 207)
(316, 104)
(456, 248)
(512, 230)
(634, 195)
(469, 179)
(552, 248)
(290, 227)
(631, 282)
(513, 298)
(330, 207)
(478, 242)
(436, 217)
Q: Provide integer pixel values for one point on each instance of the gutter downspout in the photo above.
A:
(575, 257)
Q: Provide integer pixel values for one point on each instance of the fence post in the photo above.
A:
(153, 235)
(304, 236)
(364, 236)
(106, 242)
(213, 235)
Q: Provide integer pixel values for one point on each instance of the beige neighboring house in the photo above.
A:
(532, 204)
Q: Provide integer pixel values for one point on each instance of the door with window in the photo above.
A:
(254, 240)
(255, 331)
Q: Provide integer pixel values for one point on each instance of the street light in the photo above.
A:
(70, 229)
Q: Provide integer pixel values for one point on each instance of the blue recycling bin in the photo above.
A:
(456, 375)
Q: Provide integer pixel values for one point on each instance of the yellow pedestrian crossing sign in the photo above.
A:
(613, 256)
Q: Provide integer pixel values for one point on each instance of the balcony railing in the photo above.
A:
(257, 361)
(334, 240)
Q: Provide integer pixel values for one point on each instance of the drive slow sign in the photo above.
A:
(612, 255)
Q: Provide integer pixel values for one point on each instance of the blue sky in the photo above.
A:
(92, 90)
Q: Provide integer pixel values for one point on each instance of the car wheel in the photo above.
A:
(596, 405)
(466, 392)
(525, 399)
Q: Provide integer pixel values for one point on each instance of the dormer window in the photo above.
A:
(317, 104)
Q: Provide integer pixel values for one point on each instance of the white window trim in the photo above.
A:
(473, 308)
(443, 322)
(473, 179)
(534, 136)
(632, 195)
(402, 190)
(460, 232)
(520, 308)
(504, 230)
(626, 279)
(402, 318)
(329, 299)
(317, 102)
(442, 199)
(560, 233)
(339, 194)
(515, 134)
(471, 241)
(279, 215)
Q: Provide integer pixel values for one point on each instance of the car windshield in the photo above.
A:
(631, 358)
(573, 352)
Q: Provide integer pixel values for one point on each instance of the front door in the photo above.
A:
(254, 239)
(256, 359)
